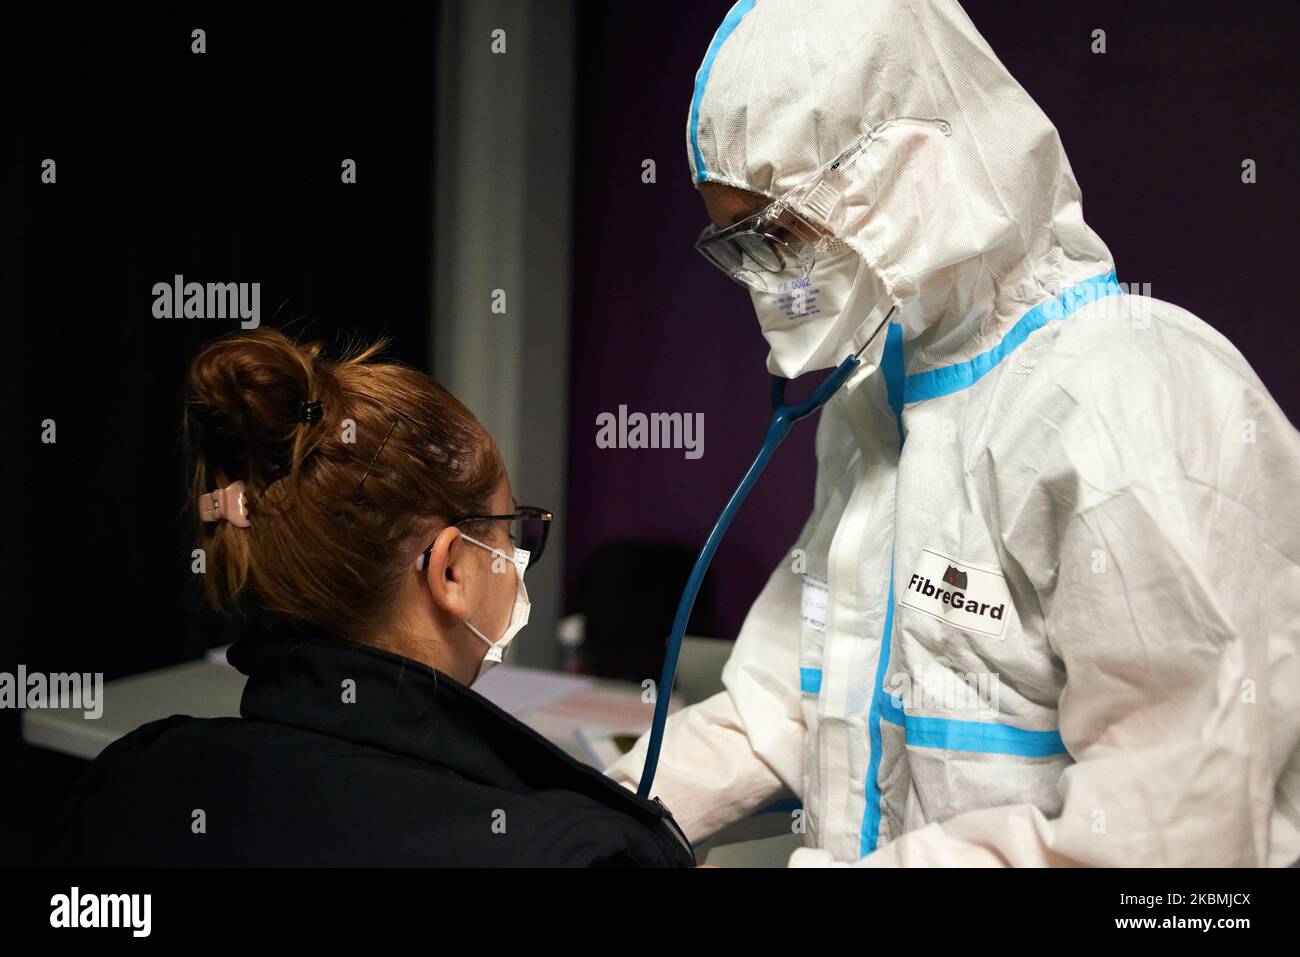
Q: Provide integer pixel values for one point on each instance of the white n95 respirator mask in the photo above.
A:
(809, 321)
(518, 613)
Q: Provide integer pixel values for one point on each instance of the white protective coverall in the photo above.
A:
(1098, 480)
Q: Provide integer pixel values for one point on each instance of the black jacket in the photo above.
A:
(418, 770)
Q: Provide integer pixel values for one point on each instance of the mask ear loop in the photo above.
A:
(500, 553)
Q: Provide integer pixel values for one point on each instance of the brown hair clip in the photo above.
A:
(228, 504)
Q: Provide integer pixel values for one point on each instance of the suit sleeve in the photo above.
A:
(728, 756)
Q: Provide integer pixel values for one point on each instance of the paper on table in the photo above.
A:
(601, 749)
(520, 691)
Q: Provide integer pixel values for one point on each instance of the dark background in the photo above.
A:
(221, 167)
(226, 167)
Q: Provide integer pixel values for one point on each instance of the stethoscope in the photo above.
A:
(784, 416)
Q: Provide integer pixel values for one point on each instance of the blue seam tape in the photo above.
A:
(981, 737)
(870, 834)
(892, 368)
(810, 680)
(954, 378)
(729, 23)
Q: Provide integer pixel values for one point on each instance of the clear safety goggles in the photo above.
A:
(785, 238)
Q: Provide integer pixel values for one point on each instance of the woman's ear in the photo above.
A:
(446, 573)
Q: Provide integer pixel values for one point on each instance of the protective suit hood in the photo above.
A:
(965, 231)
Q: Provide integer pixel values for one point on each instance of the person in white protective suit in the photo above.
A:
(1046, 610)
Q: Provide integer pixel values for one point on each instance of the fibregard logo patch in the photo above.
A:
(973, 599)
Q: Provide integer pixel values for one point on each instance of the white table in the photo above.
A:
(557, 706)
(199, 688)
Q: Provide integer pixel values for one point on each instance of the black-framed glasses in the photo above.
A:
(529, 527)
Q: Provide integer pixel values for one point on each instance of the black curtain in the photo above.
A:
(221, 166)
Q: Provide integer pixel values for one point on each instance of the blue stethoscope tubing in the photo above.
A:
(783, 419)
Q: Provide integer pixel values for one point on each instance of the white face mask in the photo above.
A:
(518, 614)
(809, 323)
